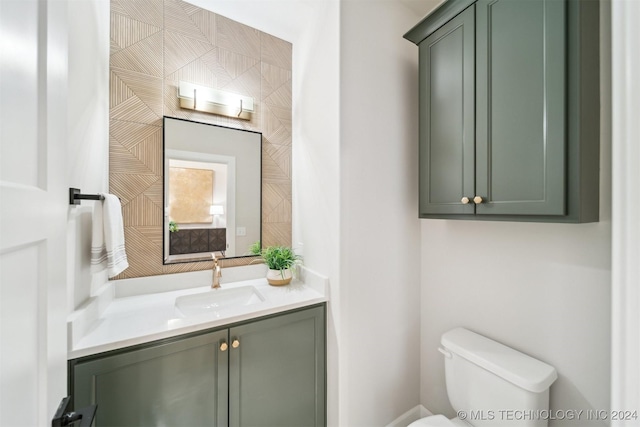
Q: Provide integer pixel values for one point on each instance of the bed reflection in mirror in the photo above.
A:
(212, 191)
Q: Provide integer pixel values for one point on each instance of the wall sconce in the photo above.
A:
(208, 100)
(216, 211)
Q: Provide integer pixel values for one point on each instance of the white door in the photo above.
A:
(33, 210)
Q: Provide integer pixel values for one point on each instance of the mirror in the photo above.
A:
(212, 191)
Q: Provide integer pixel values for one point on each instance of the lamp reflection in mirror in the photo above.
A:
(208, 100)
(216, 211)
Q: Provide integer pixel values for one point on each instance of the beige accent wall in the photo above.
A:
(155, 44)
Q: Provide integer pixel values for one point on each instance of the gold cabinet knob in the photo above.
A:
(224, 346)
(465, 200)
(477, 200)
(235, 343)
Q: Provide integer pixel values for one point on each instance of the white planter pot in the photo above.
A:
(279, 277)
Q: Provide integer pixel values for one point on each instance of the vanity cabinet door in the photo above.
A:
(447, 122)
(179, 383)
(277, 371)
(521, 107)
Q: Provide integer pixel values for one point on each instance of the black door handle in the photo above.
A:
(64, 418)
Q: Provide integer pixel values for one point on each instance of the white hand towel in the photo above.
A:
(107, 245)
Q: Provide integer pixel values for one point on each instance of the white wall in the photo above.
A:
(316, 176)
(380, 230)
(88, 127)
(541, 288)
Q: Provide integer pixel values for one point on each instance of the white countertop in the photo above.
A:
(135, 311)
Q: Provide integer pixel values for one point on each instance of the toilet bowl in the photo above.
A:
(439, 421)
(486, 380)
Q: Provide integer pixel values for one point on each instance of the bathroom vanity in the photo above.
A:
(252, 354)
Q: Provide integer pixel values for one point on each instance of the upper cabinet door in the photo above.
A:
(521, 107)
(447, 103)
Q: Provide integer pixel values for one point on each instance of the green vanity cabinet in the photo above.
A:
(176, 383)
(267, 372)
(509, 110)
(276, 374)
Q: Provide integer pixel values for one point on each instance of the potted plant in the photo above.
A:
(281, 261)
(255, 248)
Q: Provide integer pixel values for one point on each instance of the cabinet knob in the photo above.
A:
(224, 346)
(477, 200)
(465, 200)
(235, 343)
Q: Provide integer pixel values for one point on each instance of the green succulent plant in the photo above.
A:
(255, 248)
(280, 257)
(173, 227)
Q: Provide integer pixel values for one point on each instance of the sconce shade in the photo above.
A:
(216, 210)
(208, 100)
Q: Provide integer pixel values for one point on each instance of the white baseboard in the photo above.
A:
(410, 416)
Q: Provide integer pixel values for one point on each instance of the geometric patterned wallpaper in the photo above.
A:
(154, 45)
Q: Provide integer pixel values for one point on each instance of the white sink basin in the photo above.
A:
(218, 301)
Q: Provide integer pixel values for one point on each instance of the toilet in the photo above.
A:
(491, 385)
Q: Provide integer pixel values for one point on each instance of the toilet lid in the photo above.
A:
(433, 421)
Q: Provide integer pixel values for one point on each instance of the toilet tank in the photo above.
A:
(492, 385)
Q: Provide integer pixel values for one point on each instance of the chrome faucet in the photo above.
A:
(217, 272)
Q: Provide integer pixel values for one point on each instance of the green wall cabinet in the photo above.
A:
(447, 126)
(509, 110)
(268, 372)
